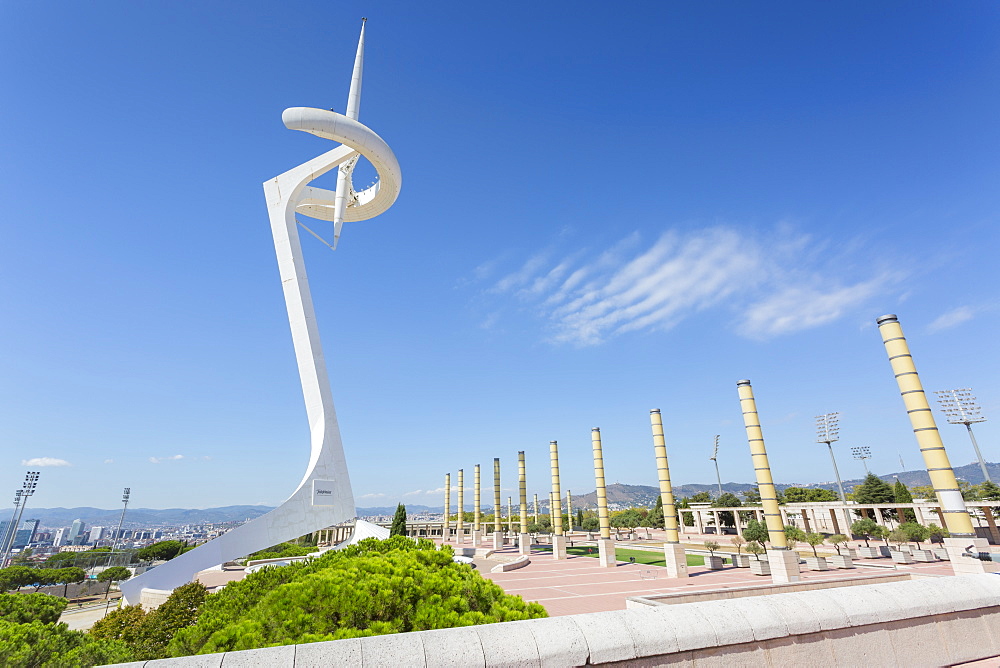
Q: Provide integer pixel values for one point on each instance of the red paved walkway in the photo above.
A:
(578, 584)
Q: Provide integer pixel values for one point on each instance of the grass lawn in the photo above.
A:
(623, 554)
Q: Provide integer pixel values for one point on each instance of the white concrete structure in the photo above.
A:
(324, 495)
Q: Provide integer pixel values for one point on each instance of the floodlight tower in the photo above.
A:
(114, 544)
(828, 431)
(715, 459)
(27, 489)
(11, 528)
(961, 407)
(863, 453)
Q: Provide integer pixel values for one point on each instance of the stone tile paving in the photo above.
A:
(576, 585)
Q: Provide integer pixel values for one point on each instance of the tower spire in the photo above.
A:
(354, 97)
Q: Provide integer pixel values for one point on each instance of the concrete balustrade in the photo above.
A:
(929, 622)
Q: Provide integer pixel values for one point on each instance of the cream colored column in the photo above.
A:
(605, 547)
(784, 562)
(555, 510)
(477, 527)
(942, 476)
(673, 551)
(510, 514)
(460, 518)
(523, 539)
(536, 509)
(497, 526)
(446, 530)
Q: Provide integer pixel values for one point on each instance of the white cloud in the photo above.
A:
(157, 460)
(951, 318)
(377, 495)
(779, 284)
(109, 461)
(44, 461)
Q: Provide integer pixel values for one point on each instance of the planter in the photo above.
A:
(851, 552)
(870, 553)
(741, 560)
(713, 563)
(840, 561)
(759, 567)
(941, 553)
(925, 556)
(901, 557)
(885, 550)
(816, 564)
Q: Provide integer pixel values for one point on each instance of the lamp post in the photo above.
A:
(961, 407)
(828, 431)
(715, 459)
(862, 452)
(114, 544)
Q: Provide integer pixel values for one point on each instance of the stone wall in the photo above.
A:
(930, 622)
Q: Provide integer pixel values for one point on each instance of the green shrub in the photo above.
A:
(27, 608)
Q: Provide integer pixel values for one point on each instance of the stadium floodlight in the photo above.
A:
(961, 407)
(715, 458)
(27, 489)
(828, 431)
(863, 453)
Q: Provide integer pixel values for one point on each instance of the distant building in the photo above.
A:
(26, 533)
(61, 538)
(75, 532)
(96, 534)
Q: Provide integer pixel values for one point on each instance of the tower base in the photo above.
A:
(497, 540)
(558, 547)
(524, 543)
(477, 537)
(460, 536)
(784, 565)
(676, 558)
(606, 553)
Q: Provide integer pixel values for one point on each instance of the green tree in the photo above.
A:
(756, 532)
(755, 549)
(15, 577)
(936, 534)
(113, 574)
(900, 494)
(752, 496)
(164, 550)
(591, 525)
(794, 536)
(838, 540)
(917, 533)
(147, 634)
(399, 521)
(866, 528)
(27, 608)
(655, 517)
(372, 588)
(989, 491)
(813, 540)
(727, 500)
(282, 550)
(68, 576)
(40, 644)
(579, 517)
(874, 490)
(808, 494)
(701, 497)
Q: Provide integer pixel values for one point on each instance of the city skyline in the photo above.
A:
(701, 195)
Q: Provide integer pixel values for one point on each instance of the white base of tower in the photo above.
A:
(477, 537)
(784, 565)
(676, 560)
(558, 547)
(460, 536)
(497, 540)
(524, 543)
(606, 553)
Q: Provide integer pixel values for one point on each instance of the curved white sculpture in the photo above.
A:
(324, 495)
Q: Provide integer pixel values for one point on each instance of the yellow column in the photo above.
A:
(447, 506)
(460, 520)
(939, 469)
(602, 495)
(768, 496)
(556, 511)
(663, 473)
(569, 510)
(536, 509)
(497, 527)
(523, 489)
(476, 499)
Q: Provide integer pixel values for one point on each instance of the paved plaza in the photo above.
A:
(578, 584)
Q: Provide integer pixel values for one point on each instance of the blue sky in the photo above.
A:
(605, 209)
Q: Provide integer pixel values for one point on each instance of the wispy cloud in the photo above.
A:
(775, 285)
(952, 318)
(376, 495)
(44, 461)
(109, 461)
(157, 460)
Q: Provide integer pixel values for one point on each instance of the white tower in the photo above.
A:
(324, 495)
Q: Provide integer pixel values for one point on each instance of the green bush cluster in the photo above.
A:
(282, 550)
(372, 588)
(15, 577)
(31, 635)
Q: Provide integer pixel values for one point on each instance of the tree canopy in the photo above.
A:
(162, 551)
(809, 494)
(27, 608)
(399, 521)
(874, 490)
